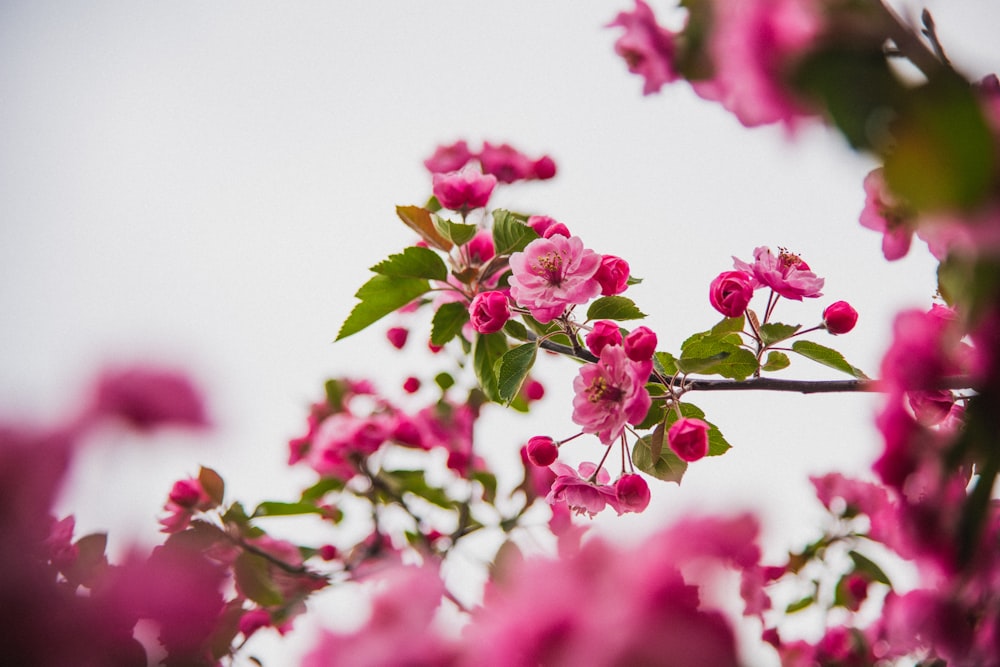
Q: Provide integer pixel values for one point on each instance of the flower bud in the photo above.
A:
(534, 390)
(612, 275)
(397, 336)
(604, 333)
(839, 317)
(463, 190)
(187, 493)
(730, 293)
(640, 344)
(543, 168)
(632, 493)
(411, 385)
(489, 312)
(557, 228)
(688, 438)
(542, 450)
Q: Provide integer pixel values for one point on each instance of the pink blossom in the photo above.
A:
(640, 344)
(647, 48)
(463, 190)
(534, 390)
(611, 393)
(931, 407)
(752, 45)
(397, 336)
(542, 450)
(147, 397)
(785, 273)
(448, 158)
(553, 273)
(633, 493)
(581, 490)
(411, 385)
(884, 213)
(543, 168)
(537, 481)
(489, 312)
(604, 332)
(730, 292)
(839, 317)
(688, 438)
(480, 249)
(505, 162)
(612, 275)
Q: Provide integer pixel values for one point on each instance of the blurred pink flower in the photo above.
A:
(448, 158)
(647, 48)
(147, 397)
(886, 214)
(505, 162)
(463, 190)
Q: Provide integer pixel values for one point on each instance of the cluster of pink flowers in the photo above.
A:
(503, 162)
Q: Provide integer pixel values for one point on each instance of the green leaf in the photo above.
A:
(487, 351)
(274, 508)
(667, 467)
(444, 380)
(701, 364)
(489, 482)
(253, 577)
(448, 322)
(657, 410)
(800, 605)
(717, 353)
(459, 233)
(728, 325)
(867, 566)
(665, 364)
(413, 262)
(419, 220)
(775, 332)
(324, 486)
(614, 308)
(512, 369)
(380, 296)
(414, 481)
(212, 483)
(510, 234)
(515, 330)
(775, 361)
(826, 356)
(717, 443)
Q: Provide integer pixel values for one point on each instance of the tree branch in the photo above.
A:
(908, 42)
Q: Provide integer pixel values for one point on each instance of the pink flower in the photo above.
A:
(839, 317)
(730, 292)
(886, 214)
(411, 385)
(633, 493)
(613, 275)
(611, 393)
(543, 168)
(448, 158)
(542, 450)
(688, 438)
(646, 47)
(505, 162)
(540, 223)
(397, 336)
(784, 273)
(604, 333)
(578, 492)
(752, 43)
(553, 273)
(147, 397)
(489, 312)
(463, 190)
(640, 344)
(534, 390)
(480, 249)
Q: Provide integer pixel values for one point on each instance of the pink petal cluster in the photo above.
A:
(612, 275)
(884, 213)
(463, 190)
(647, 48)
(147, 397)
(488, 312)
(449, 158)
(553, 273)
(503, 161)
(730, 293)
(785, 273)
(611, 393)
(752, 45)
(585, 490)
(688, 438)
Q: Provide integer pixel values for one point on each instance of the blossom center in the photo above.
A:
(550, 265)
(600, 390)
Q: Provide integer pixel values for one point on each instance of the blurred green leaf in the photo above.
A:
(415, 482)
(212, 483)
(274, 508)
(253, 577)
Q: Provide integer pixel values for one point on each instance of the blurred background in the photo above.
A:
(206, 184)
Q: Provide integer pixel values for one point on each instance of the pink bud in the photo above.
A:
(411, 385)
(489, 312)
(544, 168)
(254, 620)
(534, 390)
(730, 293)
(328, 552)
(640, 344)
(434, 348)
(603, 334)
(540, 223)
(480, 248)
(463, 190)
(839, 317)
(557, 228)
(397, 336)
(542, 450)
(187, 493)
(612, 275)
(632, 493)
(688, 438)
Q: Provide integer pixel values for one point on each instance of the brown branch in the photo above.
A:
(908, 42)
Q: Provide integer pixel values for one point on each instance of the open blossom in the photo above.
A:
(647, 48)
(448, 158)
(506, 163)
(786, 273)
(884, 213)
(463, 190)
(730, 292)
(611, 393)
(581, 494)
(553, 273)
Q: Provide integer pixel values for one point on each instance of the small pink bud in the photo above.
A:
(730, 293)
(534, 390)
(612, 275)
(542, 451)
(640, 344)
(632, 493)
(411, 385)
(839, 317)
(328, 552)
(489, 312)
(688, 438)
(603, 334)
(187, 493)
(481, 248)
(558, 228)
(463, 190)
(434, 348)
(540, 223)
(544, 168)
(397, 336)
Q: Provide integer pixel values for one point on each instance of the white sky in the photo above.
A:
(207, 183)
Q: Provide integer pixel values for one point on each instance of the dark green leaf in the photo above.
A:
(614, 308)
(487, 351)
(459, 233)
(324, 486)
(380, 296)
(419, 220)
(253, 577)
(866, 566)
(774, 332)
(668, 467)
(516, 330)
(510, 234)
(274, 508)
(826, 356)
(413, 262)
(665, 364)
(775, 361)
(448, 322)
(512, 369)
(444, 380)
